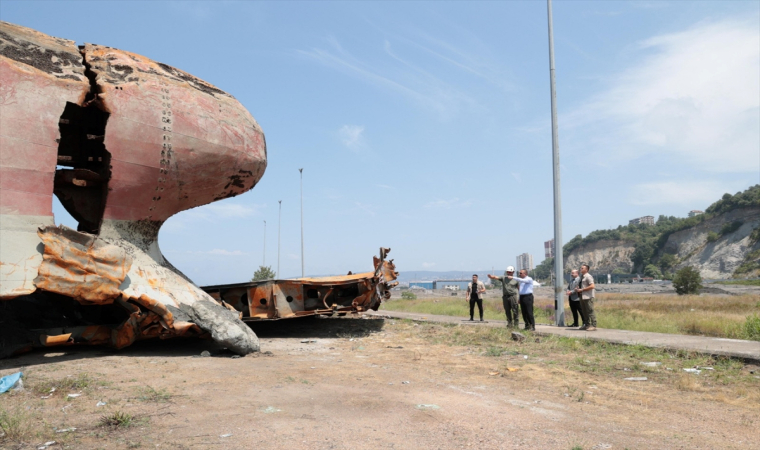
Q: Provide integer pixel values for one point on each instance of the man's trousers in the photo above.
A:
(510, 309)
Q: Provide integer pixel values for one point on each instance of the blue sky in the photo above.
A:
(425, 127)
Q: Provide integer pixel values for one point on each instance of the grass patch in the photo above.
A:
(149, 394)
(15, 423)
(574, 359)
(79, 382)
(119, 419)
(715, 316)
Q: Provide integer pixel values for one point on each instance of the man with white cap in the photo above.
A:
(509, 296)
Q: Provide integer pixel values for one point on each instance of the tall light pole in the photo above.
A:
(559, 294)
(279, 227)
(265, 244)
(302, 271)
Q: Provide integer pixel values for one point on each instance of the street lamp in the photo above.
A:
(302, 271)
(265, 244)
(559, 295)
(279, 222)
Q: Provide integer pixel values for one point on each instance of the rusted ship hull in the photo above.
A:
(124, 142)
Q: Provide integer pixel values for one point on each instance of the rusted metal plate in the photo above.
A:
(300, 297)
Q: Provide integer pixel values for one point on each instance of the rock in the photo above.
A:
(205, 353)
(224, 325)
(519, 337)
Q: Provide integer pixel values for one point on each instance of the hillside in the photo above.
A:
(723, 242)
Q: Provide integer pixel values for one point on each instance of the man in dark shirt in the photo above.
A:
(509, 296)
(474, 292)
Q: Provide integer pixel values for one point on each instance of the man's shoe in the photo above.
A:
(481, 319)
(509, 325)
(583, 327)
(592, 328)
(470, 319)
(573, 325)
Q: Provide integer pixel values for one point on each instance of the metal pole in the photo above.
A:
(559, 292)
(302, 271)
(265, 244)
(279, 227)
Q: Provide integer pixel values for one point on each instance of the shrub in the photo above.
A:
(712, 236)
(652, 271)
(408, 295)
(263, 273)
(731, 227)
(754, 237)
(752, 327)
(687, 281)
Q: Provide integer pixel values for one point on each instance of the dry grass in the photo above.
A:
(577, 363)
(717, 316)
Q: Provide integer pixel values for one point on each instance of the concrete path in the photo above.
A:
(736, 348)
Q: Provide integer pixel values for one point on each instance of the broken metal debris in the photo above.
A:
(301, 297)
(124, 142)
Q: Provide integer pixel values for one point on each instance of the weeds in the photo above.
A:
(149, 394)
(118, 419)
(76, 383)
(16, 424)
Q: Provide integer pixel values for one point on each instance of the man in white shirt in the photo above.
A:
(475, 290)
(526, 299)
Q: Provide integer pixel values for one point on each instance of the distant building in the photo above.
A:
(549, 249)
(646, 220)
(695, 212)
(525, 261)
(422, 284)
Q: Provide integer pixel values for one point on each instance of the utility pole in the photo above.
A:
(279, 227)
(302, 271)
(559, 294)
(265, 244)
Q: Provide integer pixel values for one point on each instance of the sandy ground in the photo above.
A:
(361, 384)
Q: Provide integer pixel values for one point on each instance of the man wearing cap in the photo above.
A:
(474, 292)
(509, 296)
(526, 299)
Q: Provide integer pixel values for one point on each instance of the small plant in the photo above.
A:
(149, 394)
(494, 351)
(731, 227)
(712, 236)
(76, 383)
(754, 237)
(408, 295)
(117, 419)
(15, 424)
(752, 327)
(687, 281)
(263, 273)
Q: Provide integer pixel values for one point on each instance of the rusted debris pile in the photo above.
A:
(300, 297)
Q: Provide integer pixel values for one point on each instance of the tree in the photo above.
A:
(496, 284)
(263, 273)
(544, 270)
(667, 262)
(652, 271)
(687, 281)
(408, 295)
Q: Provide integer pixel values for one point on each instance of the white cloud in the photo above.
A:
(219, 251)
(427, 265)
(695, 97)
(352, 136)
(692, 194)
(516, 176)
(448, 204)
(366, 208)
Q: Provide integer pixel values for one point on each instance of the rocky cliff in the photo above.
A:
(721, 257)
(602, 256)
(712, 246)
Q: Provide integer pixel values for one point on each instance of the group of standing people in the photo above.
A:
(517, 293)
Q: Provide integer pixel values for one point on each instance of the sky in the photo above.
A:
(426, 126)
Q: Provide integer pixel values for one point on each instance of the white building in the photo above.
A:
(695, 212)
(525, 261)
(647, 220)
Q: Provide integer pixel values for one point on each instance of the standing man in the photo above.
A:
(587, 293)
(526, 299)
(474, 291)
(575, 299)
(509, 296)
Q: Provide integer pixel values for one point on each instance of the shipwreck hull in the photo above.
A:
(124, 142)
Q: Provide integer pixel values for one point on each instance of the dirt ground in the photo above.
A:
(356, 384)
